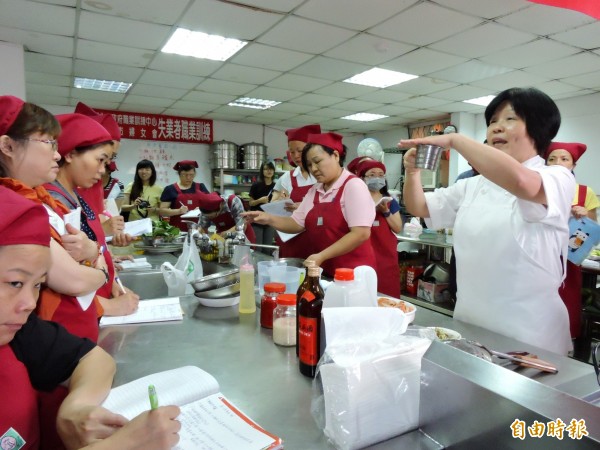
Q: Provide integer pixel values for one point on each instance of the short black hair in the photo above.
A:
(185, 168)
(329, 151)
(537, 109)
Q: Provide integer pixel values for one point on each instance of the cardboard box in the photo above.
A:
(431, 292)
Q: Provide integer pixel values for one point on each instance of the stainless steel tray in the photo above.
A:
(159, 248)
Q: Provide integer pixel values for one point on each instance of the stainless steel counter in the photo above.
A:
(263, 379)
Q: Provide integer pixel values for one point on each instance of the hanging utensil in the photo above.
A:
(519, 359)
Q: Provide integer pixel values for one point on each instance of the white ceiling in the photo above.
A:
(299, 53)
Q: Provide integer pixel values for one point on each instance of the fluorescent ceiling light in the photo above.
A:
(364, 117)
(380, 78)
(254, 103)
(482, 101)
(101, 85)
(201, 45)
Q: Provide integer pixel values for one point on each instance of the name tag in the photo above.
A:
(319, 221)
(376, 223)
(189, 202)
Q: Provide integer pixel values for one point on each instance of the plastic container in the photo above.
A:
(284, 320)
(247, 304)
(268, 302)
(348, 291)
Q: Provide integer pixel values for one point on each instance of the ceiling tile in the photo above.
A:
(586, 37)
(93, 98)
(422, 86)
(423, 61)
(193, 107)
(173, 80)
(155, 11)
(42, 100)
(531, 53)
(50, 44)
(267, 57)
(354, 14)
(393, 110)
(273, 5)
(157, 91)
(269, 93)
(423, 102)
(38, 17)
(47, 64)
(488, 9)
(356, 105)
(569, 66)
(143, 108)
(183, 112)
(461, 107)
(208, 97)
(188, 65)
(228, 20)
(543, 19)
(469, 72)
(440, 23)
(113, 54)
(225, 87)
(296, 108)
(369, 49)
(554, 88)
(460, 93)
(510, 79)
(345, 90)
(131, 33)
(47, 79)
(331, 69)
(318, 100)
(384, 96)
(496, 38)
(147, 101)
(103, 71)
(272, 115)
(238, 74)
(587, 80)
(43, 89)
(305, 35)
(300, 82)
(332, 113)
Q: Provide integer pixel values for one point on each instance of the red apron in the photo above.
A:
(192, 201)
(325, 224)
(570, 290)
(299, 246)
(385, 243)
(20, 409)
(224, 222)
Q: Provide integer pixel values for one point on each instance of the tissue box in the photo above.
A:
(431, 292)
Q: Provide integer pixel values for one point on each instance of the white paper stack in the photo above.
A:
(136, 264)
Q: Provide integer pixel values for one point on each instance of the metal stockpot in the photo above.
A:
(254, 155)
(224, 155)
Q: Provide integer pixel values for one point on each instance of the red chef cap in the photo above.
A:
(331, 140)
(353, 165)
(367, 165)
(210, 202)
(112, 166)
(185, 162)
(301, 134)
(79, 131)
(106, 120)
(22, 221)
(574, 148)
(10, 107)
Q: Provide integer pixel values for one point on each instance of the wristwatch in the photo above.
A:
(106, 275)
(387, 214)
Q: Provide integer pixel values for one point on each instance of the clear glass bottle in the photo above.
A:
(268, 302)
(284, 320)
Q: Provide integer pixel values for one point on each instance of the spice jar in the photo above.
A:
(284, 320)
(268, 302)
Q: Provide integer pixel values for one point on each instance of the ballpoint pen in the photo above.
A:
(120, 285)
(153, 397)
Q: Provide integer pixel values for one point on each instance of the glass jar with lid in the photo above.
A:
(284, 320)
(268, 302)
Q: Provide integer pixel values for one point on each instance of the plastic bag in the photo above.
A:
(413, 228)
(368, 391)
(189, 262)
(175, 279)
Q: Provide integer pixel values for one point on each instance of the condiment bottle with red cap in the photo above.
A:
(268, 302)
(284, 320)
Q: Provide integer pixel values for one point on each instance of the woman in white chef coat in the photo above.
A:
(510, 222)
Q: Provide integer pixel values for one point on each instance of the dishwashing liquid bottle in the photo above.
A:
(247, 301)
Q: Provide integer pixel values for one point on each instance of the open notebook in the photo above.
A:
(208, 419)
(154, 310)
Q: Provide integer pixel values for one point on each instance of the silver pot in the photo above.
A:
(253, 155)
(224, 155)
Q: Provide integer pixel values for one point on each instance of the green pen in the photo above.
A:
(153, 397)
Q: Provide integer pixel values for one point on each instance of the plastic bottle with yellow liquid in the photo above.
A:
(247, 299)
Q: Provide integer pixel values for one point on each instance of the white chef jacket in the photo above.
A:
(508, 255)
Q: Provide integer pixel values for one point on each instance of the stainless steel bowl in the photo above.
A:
(231, 290)
(293, 262)
(216, 281)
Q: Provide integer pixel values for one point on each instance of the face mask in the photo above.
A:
(375, 183)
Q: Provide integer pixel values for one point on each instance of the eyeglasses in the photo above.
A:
(52, 142)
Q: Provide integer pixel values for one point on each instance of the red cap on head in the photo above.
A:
(112, 166)
(79, 131)
(301, 134)
(185, 162)
(331, 140)
(367, 165)
(22, 221)
(210, 202)
(106, 120)
(10, 107)
(574, 148)
(353, 165)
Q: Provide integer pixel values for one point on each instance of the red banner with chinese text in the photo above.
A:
(589, 7)
(158, 127)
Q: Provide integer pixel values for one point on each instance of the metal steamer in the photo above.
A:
(251, 156)
(224, 155)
